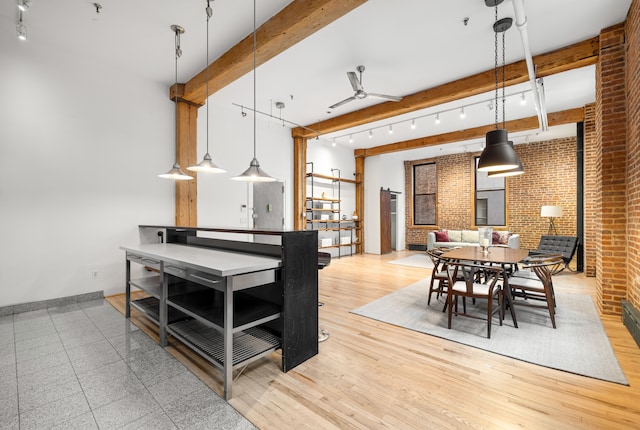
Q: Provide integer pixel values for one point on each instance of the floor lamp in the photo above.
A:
(551, 212)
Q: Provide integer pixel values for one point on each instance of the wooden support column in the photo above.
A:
(360, 201)
(187, 143)
(299, 182)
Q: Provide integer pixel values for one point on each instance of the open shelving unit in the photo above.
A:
(324, 214)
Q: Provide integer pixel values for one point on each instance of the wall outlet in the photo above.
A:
(95, 274)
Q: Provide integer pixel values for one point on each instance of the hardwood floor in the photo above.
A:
(371, 375)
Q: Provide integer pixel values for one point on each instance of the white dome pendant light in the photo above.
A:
(207, 165)
(254, 173)
(176, 172)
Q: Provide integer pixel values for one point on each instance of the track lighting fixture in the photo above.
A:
(523, 100)
(23, 5)
(207, 165)
(351, 138)
(176, 172)
(254, 173)
(490, 104)
(333, 142)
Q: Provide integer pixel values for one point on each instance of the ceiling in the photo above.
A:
(406, 45)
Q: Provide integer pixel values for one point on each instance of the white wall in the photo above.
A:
(326, 157)
(231, 147)
(80, 149)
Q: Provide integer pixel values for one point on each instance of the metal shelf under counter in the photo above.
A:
(248, 345)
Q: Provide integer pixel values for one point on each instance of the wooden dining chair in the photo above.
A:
(538, 286)
(480, 282)
(439, 276)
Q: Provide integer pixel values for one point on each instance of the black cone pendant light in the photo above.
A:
(511, 172)
(498, 154)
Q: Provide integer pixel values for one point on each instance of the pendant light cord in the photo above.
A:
(175, 88)
(495, 64)
(255, 48)
(209, 13)
(503, 80)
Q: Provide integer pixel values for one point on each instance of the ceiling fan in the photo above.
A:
(356, 83)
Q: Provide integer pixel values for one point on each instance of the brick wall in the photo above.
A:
(611, 267)
(632, 32)
(549, 179)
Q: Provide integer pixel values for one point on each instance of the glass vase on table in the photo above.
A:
(485, 236)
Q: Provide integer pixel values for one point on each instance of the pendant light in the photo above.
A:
(176, 172)
(511, 172)
(207, 165)
(254, 173)
(498, 154)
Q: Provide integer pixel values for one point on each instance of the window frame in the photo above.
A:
(474, 198)
(413, 165)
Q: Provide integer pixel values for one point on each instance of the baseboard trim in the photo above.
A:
(631, 320)
(51, 303)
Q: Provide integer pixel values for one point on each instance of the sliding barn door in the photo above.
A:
(385, 222)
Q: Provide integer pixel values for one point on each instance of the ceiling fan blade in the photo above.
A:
(342, 102)
(355, 82)
(384, 96)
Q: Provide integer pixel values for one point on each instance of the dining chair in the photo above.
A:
(479, 282)
(438, 274)
(538, 286)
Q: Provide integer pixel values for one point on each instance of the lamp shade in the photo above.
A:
(206, 165)
(176, 174)
(497, 154)
(551, 211)
(254, 174)
(510, 172)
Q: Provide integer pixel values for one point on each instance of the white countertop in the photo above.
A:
(217, 262)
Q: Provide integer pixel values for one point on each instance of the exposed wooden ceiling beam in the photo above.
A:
(561, 60)
(300, 19)
(523, 124)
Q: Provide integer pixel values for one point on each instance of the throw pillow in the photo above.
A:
(442, 236)
(495, 238)
(504, 237)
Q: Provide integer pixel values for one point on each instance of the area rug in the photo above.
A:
(416, 260)
(579, 344)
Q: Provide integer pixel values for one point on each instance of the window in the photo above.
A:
(489, 199)
(424, 194)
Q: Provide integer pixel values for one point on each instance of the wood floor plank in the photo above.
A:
(372, 375)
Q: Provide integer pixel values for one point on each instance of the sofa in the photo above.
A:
(453, 238)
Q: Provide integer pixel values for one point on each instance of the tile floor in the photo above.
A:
(84, 366)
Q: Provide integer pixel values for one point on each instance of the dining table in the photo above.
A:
(502, 255)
